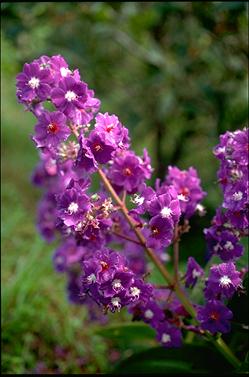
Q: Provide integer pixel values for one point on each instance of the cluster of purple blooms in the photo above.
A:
(229, 224)
(75, 141)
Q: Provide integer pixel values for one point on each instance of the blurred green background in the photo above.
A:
(176, 75)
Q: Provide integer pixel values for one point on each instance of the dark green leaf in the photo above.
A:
(194, 359)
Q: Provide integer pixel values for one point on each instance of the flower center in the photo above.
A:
(116, 302)
(135, 292)
(137, 199)
(237, 196)
(65, 72)
(116, 284)
(149, 314)
(166, 212)
(52, 128)
(215, 316)
(225, 281)
(91, 279)
(104, 265)
(110, 127)
(34, 82)
(127, 172)
(155, 230)
(70, 96)
(73, 208)
(196, 273)
(228, 245)
(165, 338)
(97, 147)
(184, 191)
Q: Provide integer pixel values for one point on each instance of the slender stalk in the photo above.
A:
(226, 351)
(126, 237)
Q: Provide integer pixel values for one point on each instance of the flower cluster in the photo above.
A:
(229, 224)
(75, 142)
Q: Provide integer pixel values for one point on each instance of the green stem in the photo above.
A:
(226, 351)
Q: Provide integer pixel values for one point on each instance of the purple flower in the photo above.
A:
(121, 281)
(150, 313)
(165, 207)
(33, 83)
(67, 254)
(85, 159)
(47, 216)
(194, 271)
(101, 146)
(227, 246)
(72, 205)
(215, 317)
(102, 267)
(114, 130)
(169, 336)
(223, 281)
(187, 185)
(143, 198)
(51, 129)
(161, 232)
(69, 96)
(127, 171)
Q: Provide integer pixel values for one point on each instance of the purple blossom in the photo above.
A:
(223, 281)
(150, 313)
(85, 159)
(215, 317)
(69, 96)
(33, 83)
(169, 336)
(194, 271)
(227, 246)
(51, 129)
(161, 232)
(127, 171)
(72, 205)
(113, 129)
(187, 185)
(101, 146)
(66, 254)
(47, 216)
(165, 207)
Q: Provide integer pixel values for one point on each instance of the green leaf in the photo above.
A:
(194, 359)
(132, 335)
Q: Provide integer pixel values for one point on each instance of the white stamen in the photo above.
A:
(149, 314)
(166, 212)
(225, 281)
(165, 338)
(34, 82)
(116, 303)
(65, 72)
(196, 273)
(228, 245)
(91, 279)
(137, 199)
(237, 196)
(73, 208)
(135, 292)
(217, 247)
(182, 197)
(70, 96)
(116, 284)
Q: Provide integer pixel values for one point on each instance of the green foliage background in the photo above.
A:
(176, 75)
